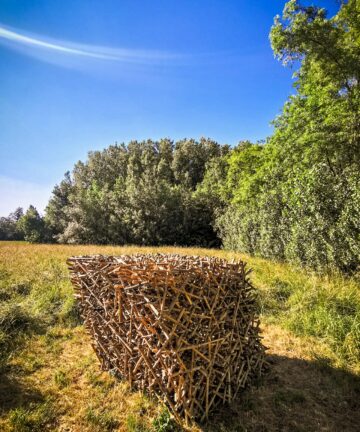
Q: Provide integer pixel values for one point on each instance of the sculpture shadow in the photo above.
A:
(14, 394)
(294, 395)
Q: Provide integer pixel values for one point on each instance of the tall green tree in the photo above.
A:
(299, 200)
(32, 226)
(9, 228)
(56, 218)
(141, 193)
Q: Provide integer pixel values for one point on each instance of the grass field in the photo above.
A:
(50, 378)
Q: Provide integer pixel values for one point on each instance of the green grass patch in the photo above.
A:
(40, 343)
(136, 424)
(165, 423)
(101, 420)
(36, 418)
(61, 379)
(324, 307)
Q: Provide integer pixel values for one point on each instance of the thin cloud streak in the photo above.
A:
(15, 38)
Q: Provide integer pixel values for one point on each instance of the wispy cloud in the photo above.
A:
(36, 44)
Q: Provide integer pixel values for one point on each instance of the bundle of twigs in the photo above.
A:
(181, 327)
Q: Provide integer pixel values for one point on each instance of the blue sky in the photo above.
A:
(79, 75)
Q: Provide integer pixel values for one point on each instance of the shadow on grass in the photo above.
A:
(13, 394)
(294, 395)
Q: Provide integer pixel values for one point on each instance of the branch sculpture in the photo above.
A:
(182, 327)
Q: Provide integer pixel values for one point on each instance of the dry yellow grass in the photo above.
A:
(52, 379)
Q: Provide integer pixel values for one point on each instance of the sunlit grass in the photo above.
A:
(325, 307)
(43, 347)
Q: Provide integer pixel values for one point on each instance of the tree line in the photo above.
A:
(295, 197)
(144, 193)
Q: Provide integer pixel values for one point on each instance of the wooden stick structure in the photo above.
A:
(184, 328)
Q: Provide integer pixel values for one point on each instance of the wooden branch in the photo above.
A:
(184, 328)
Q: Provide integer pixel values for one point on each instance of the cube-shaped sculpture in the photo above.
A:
(182, 327)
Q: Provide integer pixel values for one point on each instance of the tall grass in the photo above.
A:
(44, 352)
(324, 307)
(35, 294)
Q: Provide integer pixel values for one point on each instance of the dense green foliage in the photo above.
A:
(30, 226)
(140, 193)
(298, 197)
(33, 226)
(9, 227)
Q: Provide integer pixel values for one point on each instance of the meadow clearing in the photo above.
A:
(50, 378)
